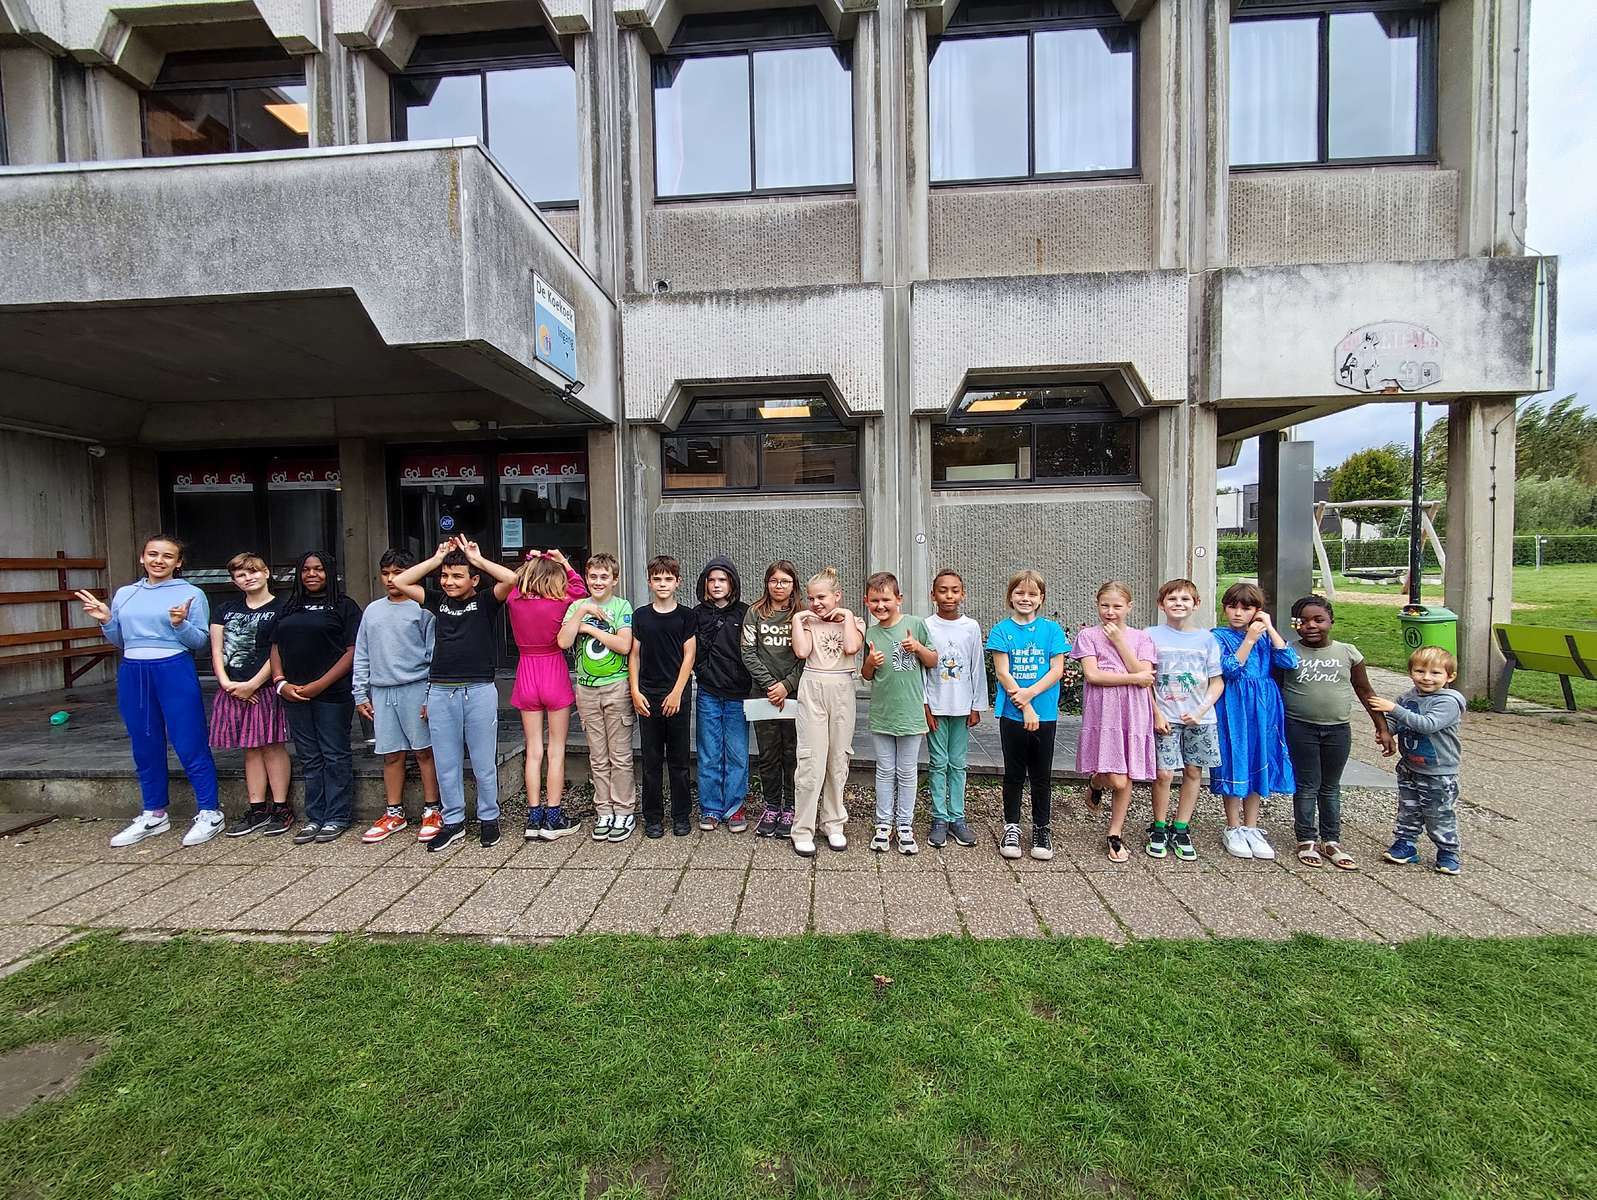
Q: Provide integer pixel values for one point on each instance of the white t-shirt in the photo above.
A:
(1188, 659)
(957, 685)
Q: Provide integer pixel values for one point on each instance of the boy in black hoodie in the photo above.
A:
(721, 731)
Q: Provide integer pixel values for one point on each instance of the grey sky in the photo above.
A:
(1563, 177)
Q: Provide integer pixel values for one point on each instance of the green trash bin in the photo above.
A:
(1429, 625)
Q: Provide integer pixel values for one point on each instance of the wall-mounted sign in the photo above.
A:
(302, 475)
(213, 477)
(554, 329)
(569, 467)
(1388, 358)
(424, 470)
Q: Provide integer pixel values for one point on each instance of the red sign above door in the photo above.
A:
(570, 467)
(424, 470)
(302, 475)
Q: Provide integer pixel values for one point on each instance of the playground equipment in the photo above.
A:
(1427, 511)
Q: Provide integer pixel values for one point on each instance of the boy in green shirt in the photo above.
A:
(600, 627)
(895, 665)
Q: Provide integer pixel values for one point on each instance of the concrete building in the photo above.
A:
(881, 283)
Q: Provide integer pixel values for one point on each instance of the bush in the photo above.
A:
(1240, 556)
(1547, 504)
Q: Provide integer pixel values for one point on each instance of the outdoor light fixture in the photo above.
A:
(1000, 404)
(781, 411)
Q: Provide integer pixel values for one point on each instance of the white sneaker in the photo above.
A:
(1009, 844)
(207, 824)
(145, 825)
(1258, 843)
(881, 838)
(836, 841)
(1236, 843)
(906, 841)
(804, 847)
(603, 826)
(621, 827)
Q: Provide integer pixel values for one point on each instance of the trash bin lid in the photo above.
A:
(1422, 613)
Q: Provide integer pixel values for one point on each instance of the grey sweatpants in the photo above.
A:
(897, 765)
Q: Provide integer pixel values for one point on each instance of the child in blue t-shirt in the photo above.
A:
(1029, 659)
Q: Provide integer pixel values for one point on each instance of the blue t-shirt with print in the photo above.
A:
(1030, 648)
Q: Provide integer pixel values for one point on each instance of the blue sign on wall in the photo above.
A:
(554, 329)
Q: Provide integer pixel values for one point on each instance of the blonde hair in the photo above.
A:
(828, 578)
(1434, 656)
(542, 576)
(1027, 575)
(1114, 585)
(247, 561)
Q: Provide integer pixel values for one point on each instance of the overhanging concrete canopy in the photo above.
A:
(656, 20)
(390, 28)
(403, 268)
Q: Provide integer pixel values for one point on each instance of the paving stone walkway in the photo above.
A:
(1525, 777)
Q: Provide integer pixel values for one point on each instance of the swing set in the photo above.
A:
(1428, 510)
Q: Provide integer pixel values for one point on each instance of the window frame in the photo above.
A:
(1029, 27)
(748, 47)
(1427, 82)
(232, 85)
(1110, 415)
(481, 65)
(758, 427)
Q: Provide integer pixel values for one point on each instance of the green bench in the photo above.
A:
(1561, 652)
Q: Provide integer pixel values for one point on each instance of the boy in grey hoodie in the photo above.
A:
(1427, 719)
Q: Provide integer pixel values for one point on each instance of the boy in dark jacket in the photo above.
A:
(721, 732)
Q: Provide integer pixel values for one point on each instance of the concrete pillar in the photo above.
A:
(1177, 456)
(32, 117)
(636, 146)
(604, 492)
(640, 453)
(116, 129)
(372, 116)
(129, 489)
(363, 498)
(868, 164)
(599, 152)
(1479, 580)
(1286, 519)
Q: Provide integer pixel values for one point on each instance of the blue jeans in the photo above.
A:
(722, 741)
(159, 698)
(897, 770)
(321, 743)
(465, 719)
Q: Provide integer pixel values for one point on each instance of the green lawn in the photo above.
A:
(731, 1067)
(1563, 595)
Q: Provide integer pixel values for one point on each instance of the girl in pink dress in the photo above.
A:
(545, 587)
(1116, 745)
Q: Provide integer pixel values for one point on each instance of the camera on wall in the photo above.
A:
(96, 450)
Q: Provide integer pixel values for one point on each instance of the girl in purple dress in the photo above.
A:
(1116, 745)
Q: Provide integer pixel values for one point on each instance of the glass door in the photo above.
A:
(443, 496)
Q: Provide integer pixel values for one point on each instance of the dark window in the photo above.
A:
(1332, 83)
(221, 102)
(1041, 434)
(753, 102)
(1044, 90)
(512, 90)
(761, 444)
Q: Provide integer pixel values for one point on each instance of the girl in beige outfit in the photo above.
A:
(828, 637)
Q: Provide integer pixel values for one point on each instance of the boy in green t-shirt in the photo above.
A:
(895, 665)
(600, 628)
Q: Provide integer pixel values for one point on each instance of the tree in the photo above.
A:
(1556, 441)
(1379, 473)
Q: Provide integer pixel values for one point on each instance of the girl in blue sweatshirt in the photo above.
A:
(158, 623)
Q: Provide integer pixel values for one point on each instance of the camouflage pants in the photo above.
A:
(1428, 804)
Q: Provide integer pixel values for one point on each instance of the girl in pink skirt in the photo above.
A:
(246, 714)
(1116, 745)
(545, 587)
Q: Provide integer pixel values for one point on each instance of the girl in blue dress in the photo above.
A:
(1254, 762)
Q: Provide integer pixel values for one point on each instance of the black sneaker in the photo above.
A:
(654, 829)
(1009, 844)
(447, 837)
(332, 831)
(1185, 850)
(1158, 841)
(556, 824)
(1042, 843)
(962, 833)
(767, 826)
(488, 833)
(534, 824)
(280, 822)
(938, 837)
(307, 832)
(254, 817)
(681, 826)
(784, 823)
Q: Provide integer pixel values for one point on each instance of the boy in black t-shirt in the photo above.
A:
(462, 702)
(661, 670)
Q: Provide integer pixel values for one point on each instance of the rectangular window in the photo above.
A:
(761, 444)
(512, 91)
(1037, 434)
(1018, 91)
(1352, 83)
(753, 103)
(226, 102)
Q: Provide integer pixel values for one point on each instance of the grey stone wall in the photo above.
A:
(1037, 230)
(1077, 538)
(754, 244)
(1374, 215)
(753, 531)
(564, 221)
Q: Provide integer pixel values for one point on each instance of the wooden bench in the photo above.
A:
(76, 660)
(1565, 653)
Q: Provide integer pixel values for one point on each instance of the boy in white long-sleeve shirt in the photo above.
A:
(956, 697)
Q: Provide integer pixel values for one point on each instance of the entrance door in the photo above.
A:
(443, 496)
(543, 504)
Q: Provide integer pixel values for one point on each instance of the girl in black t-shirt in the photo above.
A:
(246, 713)
(313, 649)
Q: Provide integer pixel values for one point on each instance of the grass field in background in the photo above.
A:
(811, 1067)
(1561, 595)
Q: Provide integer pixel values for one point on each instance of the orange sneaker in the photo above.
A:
(384, 825)
(432, 820)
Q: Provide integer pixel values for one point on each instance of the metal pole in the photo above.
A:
(1415, 545)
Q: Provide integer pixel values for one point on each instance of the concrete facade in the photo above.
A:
(361, 295)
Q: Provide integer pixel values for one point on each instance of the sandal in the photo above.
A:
(1095, 801)
(1338, 856)
(1117, 849)
(1308, 855)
